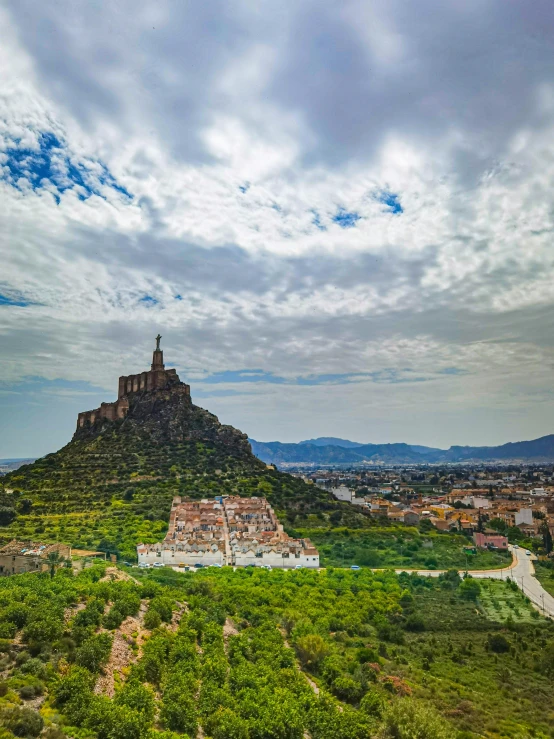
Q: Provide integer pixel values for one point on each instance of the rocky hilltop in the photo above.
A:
(168, 416)
(112, 485)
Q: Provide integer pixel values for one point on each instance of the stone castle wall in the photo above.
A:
(156, 378)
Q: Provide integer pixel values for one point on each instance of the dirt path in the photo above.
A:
(130, 633)
(113, 574)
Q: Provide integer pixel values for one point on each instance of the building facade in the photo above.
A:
(227, 531)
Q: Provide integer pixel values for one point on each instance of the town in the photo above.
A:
(490, 504)
(228, 530)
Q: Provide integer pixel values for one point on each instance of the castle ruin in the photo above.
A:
(158, 378)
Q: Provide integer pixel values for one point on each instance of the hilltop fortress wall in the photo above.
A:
(156, 378)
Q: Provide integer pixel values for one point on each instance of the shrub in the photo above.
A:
(469, 589)
(164, 606)
(372, 703)
(152, 619)
(225, 724)
(406, 719)
(312, 650)
(23, 722)
(348, 689)
(498, 643)
(414, 622)
(94, 652)
(28, 692)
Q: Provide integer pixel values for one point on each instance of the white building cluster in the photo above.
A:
(228, 530)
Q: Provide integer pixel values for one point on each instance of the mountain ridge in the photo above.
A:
(307, 452)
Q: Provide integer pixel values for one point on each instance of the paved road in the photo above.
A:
(522, 571)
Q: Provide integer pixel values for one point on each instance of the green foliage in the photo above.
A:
(164, 606)
(152, 619)
(22, 722)
(94, 652)
(469, 589)
(312, 650)
(227, 666)
(407, 719)
(498, 643)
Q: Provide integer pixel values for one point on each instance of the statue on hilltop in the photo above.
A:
(158, 339)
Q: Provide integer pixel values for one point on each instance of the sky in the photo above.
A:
(339, 216)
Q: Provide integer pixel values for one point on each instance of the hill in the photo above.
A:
(112, 485)
(275, 452)
(316, 452)
(332, 441)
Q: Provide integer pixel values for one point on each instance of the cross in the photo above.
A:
(158, 339)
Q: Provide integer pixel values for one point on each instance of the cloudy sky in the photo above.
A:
(339, 215)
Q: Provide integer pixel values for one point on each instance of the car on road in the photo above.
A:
(158, 564)
(144, 565)
(266, 567)
(299, 567)
(527, 552)
(216, 564)
(516, 546)
(355, 567)
(198, 565)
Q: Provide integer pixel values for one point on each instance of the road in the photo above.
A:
(521, 571)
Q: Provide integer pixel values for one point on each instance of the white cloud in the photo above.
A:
(241, 136)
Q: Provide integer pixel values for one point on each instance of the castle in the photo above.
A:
(157, 378)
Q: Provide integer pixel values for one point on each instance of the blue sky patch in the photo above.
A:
(316, 220)
(391, 200)
(346, 218)
(244, 187)
(148, 301)
(53, 167)
(14, 300)
(389, 376)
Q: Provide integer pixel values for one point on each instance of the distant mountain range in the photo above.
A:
(330, 450)
(8, 465)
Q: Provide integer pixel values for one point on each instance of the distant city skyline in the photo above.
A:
(338, 217)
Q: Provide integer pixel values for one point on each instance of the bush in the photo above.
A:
(348, 689)
(225, 724)
(414, 622)
(164, 606)
(312, 650)
(404, 718)
(498, 643)
(28, 692)
(469, 589)
(94, 652)
(73, 693)
(35, 667)
(373, 704)
(152, 619)
(23, 722)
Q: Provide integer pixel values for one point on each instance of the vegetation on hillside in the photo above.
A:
(114, 490)
(399, 546)
(270, 655)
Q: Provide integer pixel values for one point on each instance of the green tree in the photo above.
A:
(225, 724)
(94, 652)
(406, 718)
(312, 650)
(469, 589)
(22, 722)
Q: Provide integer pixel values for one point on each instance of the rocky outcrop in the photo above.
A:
(169, 416)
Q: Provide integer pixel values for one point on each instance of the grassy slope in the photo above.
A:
(400, 546)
